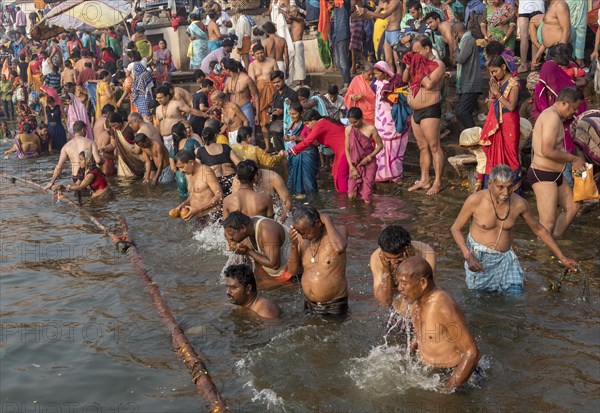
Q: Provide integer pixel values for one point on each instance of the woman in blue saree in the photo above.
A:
(304, 167)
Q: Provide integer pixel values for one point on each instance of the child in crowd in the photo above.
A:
(5, 133)
(469, 140)
(333, 95)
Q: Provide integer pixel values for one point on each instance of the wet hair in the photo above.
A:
(570, 95)
(165, 91)
(79, 126)
(107, 109)
(306, 212)
(243, 133)
(502, 173)
(178, 133)
(258, 47)
(247, 170)
(416, 267)
(243, 273)
(303, 92)
(269, 28)
(140, 137)
(277, 74)
(115, 117)
(183, 156)
(236, 220)
(207, 83)
(355, 113)
(494, 48)
(432, 15)
(209, 135)
(394, 239)
(198, 74)
(333, 90)
(497, 61)
(26, 128)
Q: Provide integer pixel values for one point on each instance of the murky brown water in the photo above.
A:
(79, 333)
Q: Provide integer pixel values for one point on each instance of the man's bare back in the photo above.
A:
(249, 202)
(275, 47)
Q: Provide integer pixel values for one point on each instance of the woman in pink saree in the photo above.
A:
(76, 111)
(390, 159)
(361, 95)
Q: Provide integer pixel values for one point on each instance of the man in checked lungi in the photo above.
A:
(490, 262)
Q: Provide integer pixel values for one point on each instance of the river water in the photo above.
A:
(79, 333)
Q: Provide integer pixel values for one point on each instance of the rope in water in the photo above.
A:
(585, 280)
(184, 350)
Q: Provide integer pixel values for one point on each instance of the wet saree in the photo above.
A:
(129, 164)
(360, 147)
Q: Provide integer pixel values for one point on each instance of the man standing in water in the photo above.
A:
(319, 249)
(549, 161)
(245, 199)
(269, 242)
(231, 115)
(441, 332)
(424, 98)
(156, 160)
(71, 151)
(490, 262)
(242, 291)
(169, 113)
(270, 183)
(203, 186)
(395, 246)
(260, 72)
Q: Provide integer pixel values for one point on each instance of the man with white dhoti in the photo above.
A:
(490, 262)
(297, 66)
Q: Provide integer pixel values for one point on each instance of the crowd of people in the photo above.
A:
(253, 132)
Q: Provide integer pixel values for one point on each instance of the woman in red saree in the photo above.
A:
(34, 73)
(501, 131)
(332, 134)
(360, 94)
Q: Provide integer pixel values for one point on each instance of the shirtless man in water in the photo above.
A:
(246, 199)
(260, 72)
(395, 246)
(490, 262)
(391, 10)
(271, 183)
(156, 160)
(71, 151)
(262, 239)
(204, 188)
(547, 30)
(169, 113)
(319, 249)
(102, 138)
(427, 113)
(276, 48)
(232, 116)
(549, 161)
(240, 86)
(441, 332)
(242, 291)
(138, 125)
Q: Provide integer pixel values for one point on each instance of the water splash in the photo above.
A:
(211, 237)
